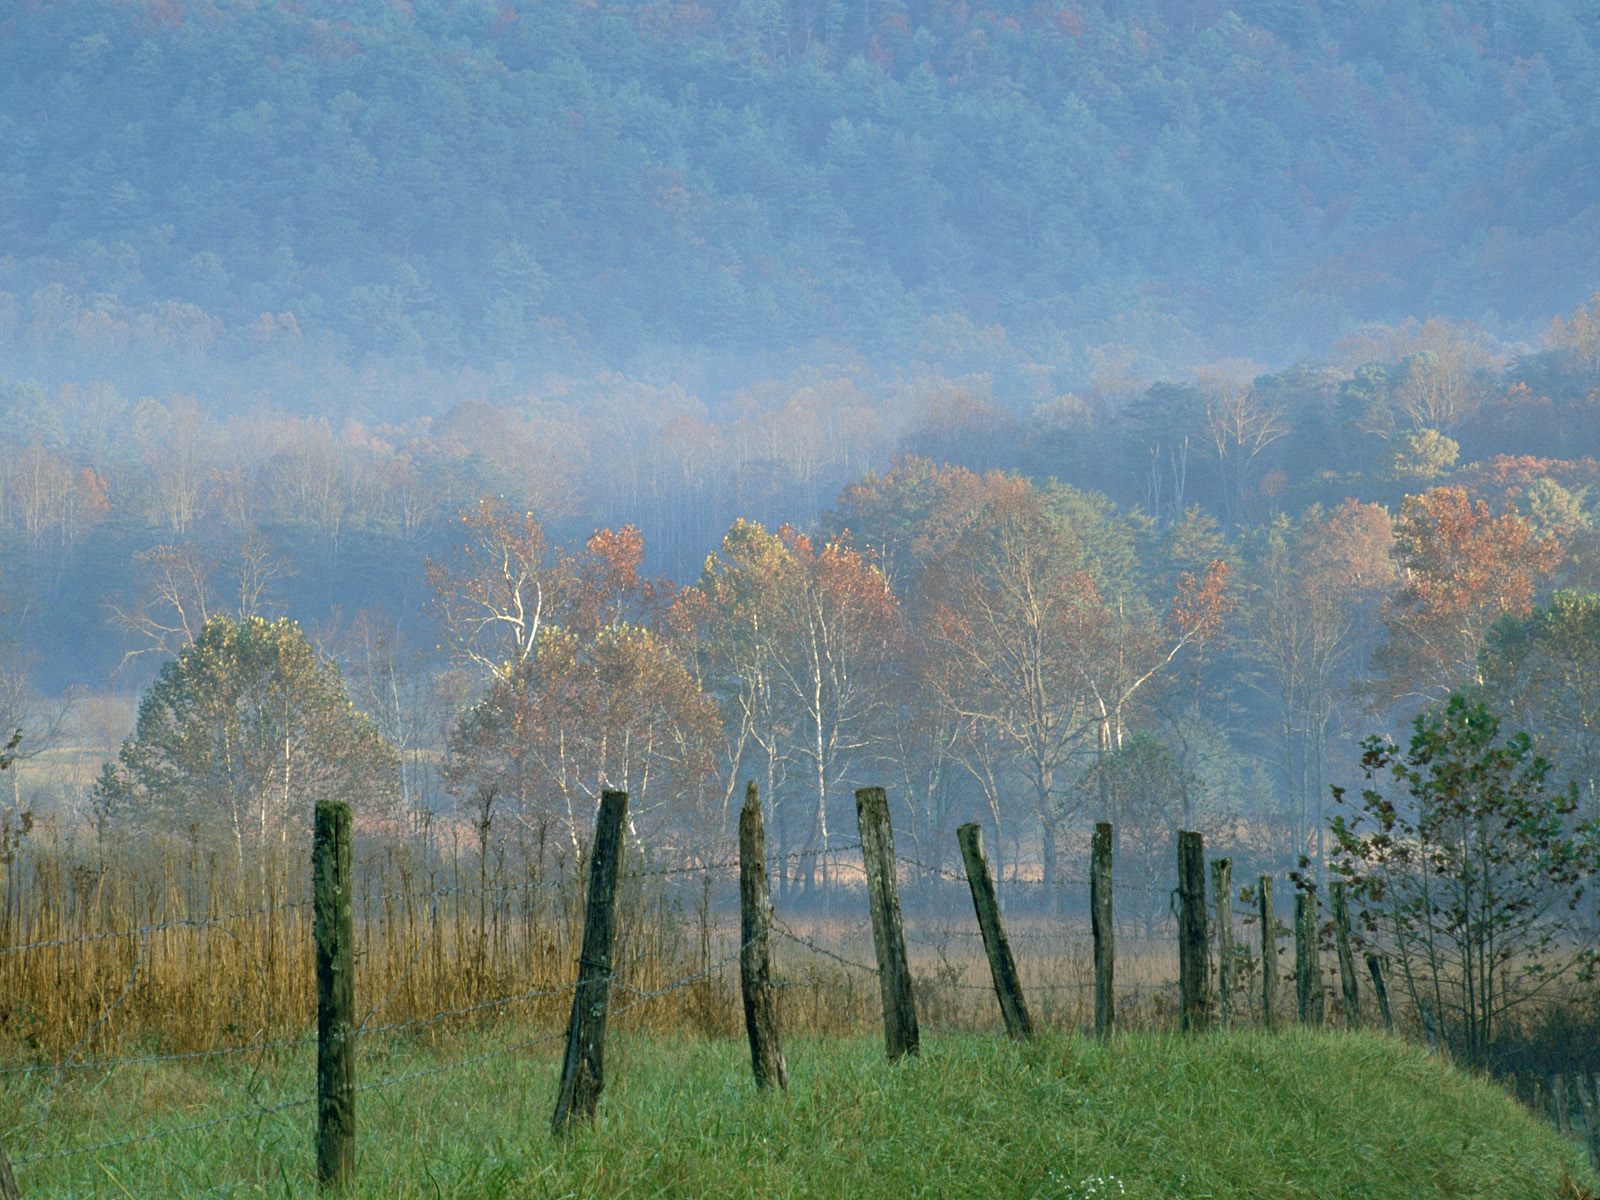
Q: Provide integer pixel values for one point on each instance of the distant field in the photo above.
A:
(1242, 1114)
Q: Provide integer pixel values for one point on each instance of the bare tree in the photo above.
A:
(42, 719)
(498, 590)
(1239, 426)
(180, 588)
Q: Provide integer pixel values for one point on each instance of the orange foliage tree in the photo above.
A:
(799, 642)
(1461, 568)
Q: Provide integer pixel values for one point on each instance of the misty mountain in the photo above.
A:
(291, 189)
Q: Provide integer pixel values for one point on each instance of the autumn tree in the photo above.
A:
(838, 676)
(600, 698)
(175, 439)
(738, 619)
(1015, 615)
(52, 501)
(1577, 338)
(800, 641)
(500, 587)
(1461, 568)
(1429, 375)
(1310, 600)
(242, 733)
(613, 708)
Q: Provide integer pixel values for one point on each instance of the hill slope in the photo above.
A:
(1312, 1115)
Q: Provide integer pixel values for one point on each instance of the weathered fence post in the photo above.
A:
(1347, 962)
(332, 926)
(888, 936)
(582, 1067)
(1222, 905)
(1105, 944)
(8, 1181)
(1269, 953)
(1379, 990)
(1192, 952)
(1002, 967)
(755, 960)
(1307, 962)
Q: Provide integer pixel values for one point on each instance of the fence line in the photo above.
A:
(371, 1036)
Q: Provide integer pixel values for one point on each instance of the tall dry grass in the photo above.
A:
(111, 948)
(107, 949)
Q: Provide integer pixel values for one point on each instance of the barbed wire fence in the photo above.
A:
(819, 951)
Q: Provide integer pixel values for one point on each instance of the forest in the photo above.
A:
(1167, 603)
(1049, 411)
(361, 211)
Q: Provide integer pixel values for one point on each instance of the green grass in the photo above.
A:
(1238, 1115)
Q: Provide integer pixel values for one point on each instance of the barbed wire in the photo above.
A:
(107, 1064)
(1060, 882)
(640, 997)
(790, 934)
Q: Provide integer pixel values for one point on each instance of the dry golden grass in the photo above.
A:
(116, 950)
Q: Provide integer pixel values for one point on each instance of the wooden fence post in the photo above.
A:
(582, 1067)
(888, 936)
(1307, 962)
(1222, 906)
(1192, 951)
(1105, 947)
(8, 1181)
(1379, 990)
(332, 926)
(1269, 953)
(1002, 967)
(755, 960)
(1347, 962)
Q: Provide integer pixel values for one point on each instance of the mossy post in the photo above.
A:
(1380, 991)
(1307, 961)
(1269, 953)
(333, 929)
(1192, 951)
(1222, 907)
(1002, 966)
(755, 957)
(8, 1181)
(1347, 962)
(1105, 949)
(582, 1067)
(888, 936)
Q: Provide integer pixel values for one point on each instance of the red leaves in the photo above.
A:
(1201, 604)
(1463, 568)
(1459, 557)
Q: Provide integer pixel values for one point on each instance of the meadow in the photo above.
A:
(1238, 1114)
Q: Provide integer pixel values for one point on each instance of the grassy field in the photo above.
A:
(1244, 1114)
